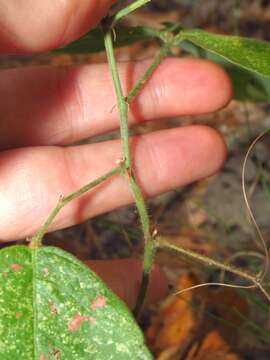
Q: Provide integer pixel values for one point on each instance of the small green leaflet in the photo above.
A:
(250, 54)
(53, 307)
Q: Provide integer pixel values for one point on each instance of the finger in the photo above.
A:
(49, 106)
(38, 25)
(124, 277)
(33, 179)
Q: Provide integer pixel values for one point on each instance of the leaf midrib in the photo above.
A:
(34, 285)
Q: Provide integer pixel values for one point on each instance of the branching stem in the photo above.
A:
(152, 244)
(123, 108)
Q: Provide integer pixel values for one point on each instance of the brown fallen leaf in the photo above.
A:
(175, 323)
(184, 331)
(213, 347)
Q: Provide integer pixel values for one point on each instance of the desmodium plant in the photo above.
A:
(52, 305)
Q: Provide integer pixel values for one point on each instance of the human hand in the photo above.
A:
(44, 108)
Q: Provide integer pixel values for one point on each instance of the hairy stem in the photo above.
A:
(123, 108)
(140, 203)
(165, 245)
(121, 102)
(37, 239)
(149, 248)
(164, 50)
(148, 261)
(162, 244)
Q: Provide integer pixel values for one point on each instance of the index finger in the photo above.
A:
(37, 25)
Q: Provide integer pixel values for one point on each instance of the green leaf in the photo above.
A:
(252, 55)
(93, 41)
(53, 307)
(247, 85)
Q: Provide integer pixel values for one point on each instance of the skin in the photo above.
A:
(43, 109)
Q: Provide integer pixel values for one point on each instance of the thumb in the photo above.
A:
(38, 25)
(124, 278)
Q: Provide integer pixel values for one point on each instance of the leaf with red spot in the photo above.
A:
(54, 307)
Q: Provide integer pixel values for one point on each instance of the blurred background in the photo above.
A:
(209, 217)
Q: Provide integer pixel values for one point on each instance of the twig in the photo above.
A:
(164, 50)
(254, 279)
(37, 239)
(165, 245)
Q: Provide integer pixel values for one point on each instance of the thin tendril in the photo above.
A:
(261, 275)
(215, 284)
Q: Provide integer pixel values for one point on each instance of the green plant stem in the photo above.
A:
(149, 247)
(148, 261)
(121, 102)
(162, 244)
(137, 193)
(127, 10)
(164, 50)
(165, 245)
(37, 239)
(141, 206)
